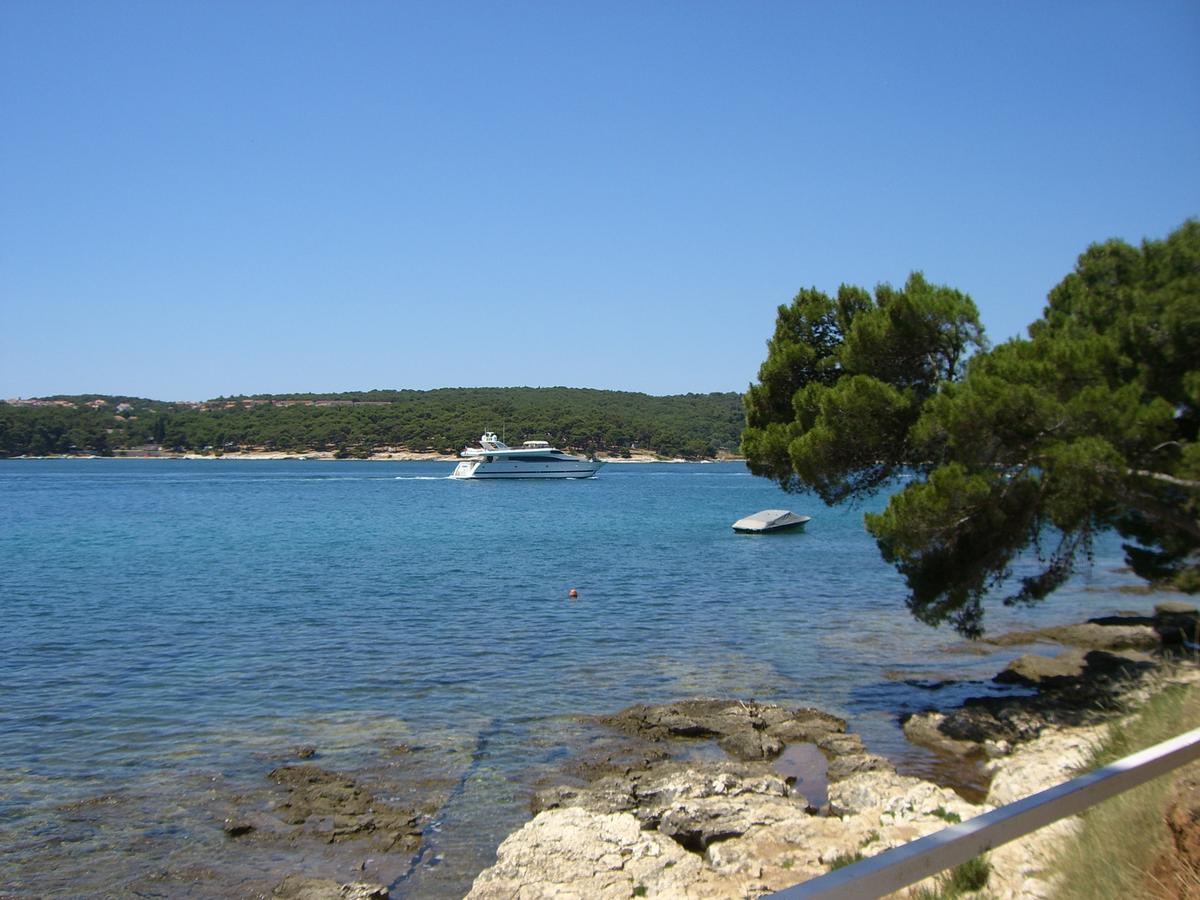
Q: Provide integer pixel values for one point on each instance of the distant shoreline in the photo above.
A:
(387, 456)
(386, 424)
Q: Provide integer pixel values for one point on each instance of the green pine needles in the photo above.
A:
(1038, 444)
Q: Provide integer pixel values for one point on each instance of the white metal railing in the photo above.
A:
(909, 863)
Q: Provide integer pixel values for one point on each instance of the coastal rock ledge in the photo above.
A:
(731, 828)
(681, 828)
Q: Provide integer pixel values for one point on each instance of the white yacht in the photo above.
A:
(533, 459)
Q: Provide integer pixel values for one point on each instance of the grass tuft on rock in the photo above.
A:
(952, 817)
(845, 859)
(969, 878)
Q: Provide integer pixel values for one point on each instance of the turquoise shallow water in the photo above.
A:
(169, 629)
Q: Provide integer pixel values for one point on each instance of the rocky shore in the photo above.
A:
(647, 818)
(735, 798)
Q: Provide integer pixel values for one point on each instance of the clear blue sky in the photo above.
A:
(201, 197)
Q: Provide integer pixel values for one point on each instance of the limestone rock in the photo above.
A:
(899, 797)
(1019, 867)
(1088, 636)
(1033, 668)
(840, 744)
(576, 853)
(698, 824)
(581, 854)
(786, 852)
(1175, 608)
(695, 806)
(664, 828)
(745, 730)
(843, 767)
(925, 730)
(1053, 758)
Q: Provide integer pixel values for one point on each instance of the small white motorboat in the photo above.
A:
(770, 520)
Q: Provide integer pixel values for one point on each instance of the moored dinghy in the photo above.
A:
(770, 520)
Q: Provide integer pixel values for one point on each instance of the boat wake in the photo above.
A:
(422, 477)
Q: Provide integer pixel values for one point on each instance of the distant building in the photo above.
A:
(35, 401)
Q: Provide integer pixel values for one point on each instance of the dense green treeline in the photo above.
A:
(691, 425)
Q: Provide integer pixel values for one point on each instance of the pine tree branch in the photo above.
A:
(1187, 483)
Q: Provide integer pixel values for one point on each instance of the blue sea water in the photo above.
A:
(171, 630)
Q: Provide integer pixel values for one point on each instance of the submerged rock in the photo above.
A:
(1172, 623)
(237, 828)
(1088, 636)
(340, 809)
(300, 887)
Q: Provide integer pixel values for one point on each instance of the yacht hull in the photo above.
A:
(482, 470)
(534, 459)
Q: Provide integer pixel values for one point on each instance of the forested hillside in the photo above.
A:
(690, 425)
